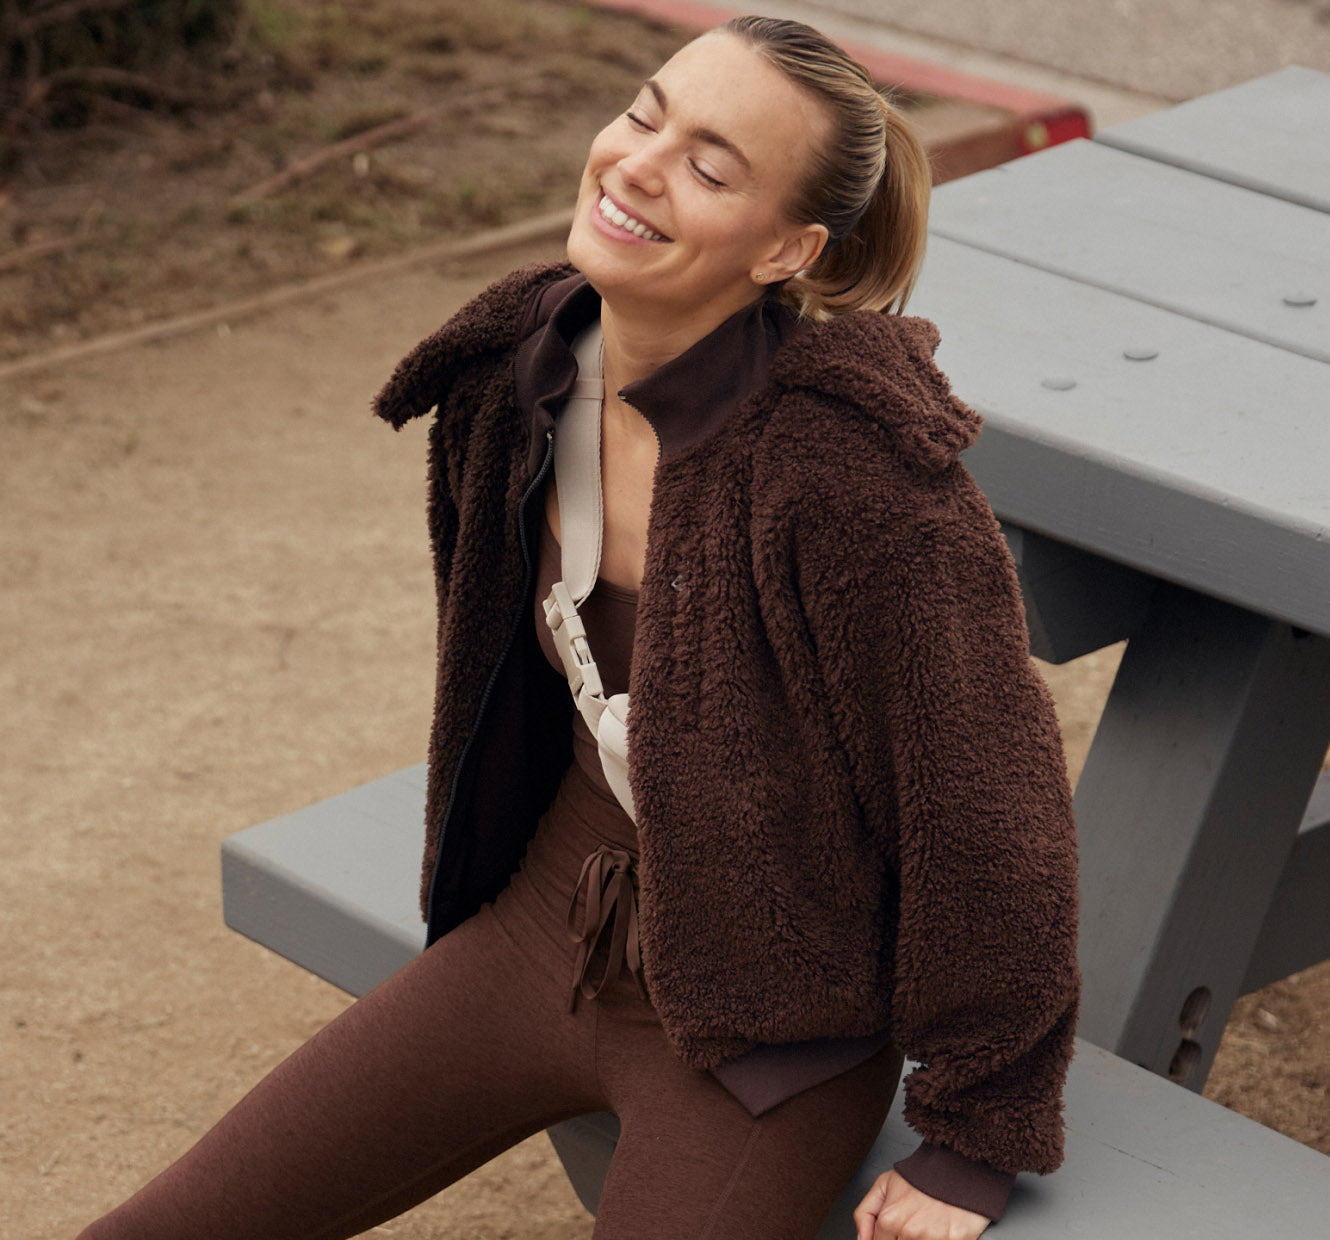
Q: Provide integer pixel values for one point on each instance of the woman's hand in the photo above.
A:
(895, 1210)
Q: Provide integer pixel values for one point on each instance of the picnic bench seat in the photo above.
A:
(333, 888)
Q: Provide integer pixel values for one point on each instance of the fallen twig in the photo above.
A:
(239, 36)
(119, 79)
(380, 134)
(39, 249)
(43, 19)
(364, 141)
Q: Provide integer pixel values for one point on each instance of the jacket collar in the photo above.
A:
(685, 400)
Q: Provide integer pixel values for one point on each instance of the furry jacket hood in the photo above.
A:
(852, 806)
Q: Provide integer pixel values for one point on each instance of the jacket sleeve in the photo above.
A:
(957, 763)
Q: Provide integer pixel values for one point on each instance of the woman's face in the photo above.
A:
(682, 199)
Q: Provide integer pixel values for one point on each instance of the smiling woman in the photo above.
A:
(804, 811)
(709, 157)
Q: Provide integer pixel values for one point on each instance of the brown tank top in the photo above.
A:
(610, 616)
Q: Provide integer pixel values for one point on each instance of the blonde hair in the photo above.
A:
(869, 185)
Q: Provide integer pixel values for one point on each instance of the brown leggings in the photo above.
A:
(471, 1048)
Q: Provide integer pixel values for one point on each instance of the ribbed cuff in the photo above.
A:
(958, 1180)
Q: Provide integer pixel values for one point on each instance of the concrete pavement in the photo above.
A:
(1175, 49)
(865, 22)
(1118, 58)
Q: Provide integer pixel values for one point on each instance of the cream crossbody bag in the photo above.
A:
(582, 531)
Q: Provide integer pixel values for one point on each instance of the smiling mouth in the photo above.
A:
(621, 219)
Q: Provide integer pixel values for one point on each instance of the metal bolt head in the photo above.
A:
(1300, 300)
(1140, 353)
(1058, 383)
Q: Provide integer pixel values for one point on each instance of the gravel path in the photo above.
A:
(1175, 49)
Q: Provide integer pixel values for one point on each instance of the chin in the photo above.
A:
(604, 270)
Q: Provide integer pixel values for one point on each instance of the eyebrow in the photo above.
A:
(709, 136)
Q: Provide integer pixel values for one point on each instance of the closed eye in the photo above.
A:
(706, 177)
(642, 124)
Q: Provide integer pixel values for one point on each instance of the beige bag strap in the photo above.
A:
(581, 524)
(577, 469)
(577, 475)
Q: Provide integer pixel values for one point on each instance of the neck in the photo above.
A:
(637, 346)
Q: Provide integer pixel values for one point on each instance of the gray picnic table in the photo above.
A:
(1144, 321)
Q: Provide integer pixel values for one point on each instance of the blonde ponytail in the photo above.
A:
(870, 184)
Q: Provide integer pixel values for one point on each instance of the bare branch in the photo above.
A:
(303, 168)
(387, 132)
(107, 78)
(43, 19)
(39, 249)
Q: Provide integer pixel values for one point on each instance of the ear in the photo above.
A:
(799, 249)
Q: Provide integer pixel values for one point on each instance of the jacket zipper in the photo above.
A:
(514, 629)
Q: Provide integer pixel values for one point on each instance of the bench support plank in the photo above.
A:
(1296, 933)
(1221, 718)
(1075, 602)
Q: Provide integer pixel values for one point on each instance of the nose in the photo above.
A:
(642, 168)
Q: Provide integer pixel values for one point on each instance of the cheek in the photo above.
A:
(734, 229)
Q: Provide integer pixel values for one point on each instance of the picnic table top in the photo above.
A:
(1255, 134)
(1148, 339)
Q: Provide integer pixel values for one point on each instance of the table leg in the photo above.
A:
(1187, 808)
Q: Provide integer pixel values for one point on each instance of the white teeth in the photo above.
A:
(621, 219)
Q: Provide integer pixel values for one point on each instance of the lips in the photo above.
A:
(621, 219)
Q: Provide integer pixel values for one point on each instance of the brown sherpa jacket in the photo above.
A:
(852, 804)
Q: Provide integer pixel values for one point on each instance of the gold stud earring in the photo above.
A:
(759, 277)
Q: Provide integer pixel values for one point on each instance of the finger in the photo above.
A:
(865, 1215)
(908, 1220)
(891, 1224)
(894, 1187)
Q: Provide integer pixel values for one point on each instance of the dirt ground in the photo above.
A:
(337, 135)
(215, 607)
(141, 214)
